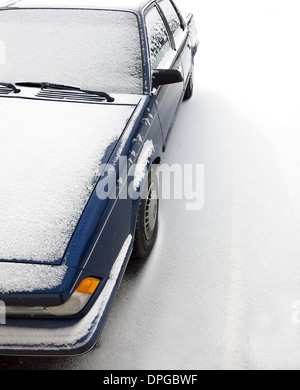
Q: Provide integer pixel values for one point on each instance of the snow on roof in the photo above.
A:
(133, 5)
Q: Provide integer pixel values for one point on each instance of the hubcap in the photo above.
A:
(151, 212)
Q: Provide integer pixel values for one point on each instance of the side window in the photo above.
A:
(159, 41)
(173, 21)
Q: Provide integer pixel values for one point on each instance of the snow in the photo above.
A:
(90, 4)
(128, 130)
(111, 65)
(219, 289)
(2, 53)
(27, 277)
(69, 335)
(142, 164)
(50, 154)
(159, 43)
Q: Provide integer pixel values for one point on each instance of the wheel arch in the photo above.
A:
(154, 161)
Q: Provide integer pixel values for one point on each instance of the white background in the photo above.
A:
(218, 289)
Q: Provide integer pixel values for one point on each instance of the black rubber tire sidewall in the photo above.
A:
(190, 87)
(142, 246)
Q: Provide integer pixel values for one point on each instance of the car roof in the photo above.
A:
(132, 5)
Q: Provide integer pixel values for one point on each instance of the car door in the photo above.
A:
(163, 55)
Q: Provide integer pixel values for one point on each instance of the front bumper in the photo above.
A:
(56, 337)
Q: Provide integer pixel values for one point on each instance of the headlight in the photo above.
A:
(73, 306)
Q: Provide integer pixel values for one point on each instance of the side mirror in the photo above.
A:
(165, 77)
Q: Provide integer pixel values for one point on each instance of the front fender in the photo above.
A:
(108, 220)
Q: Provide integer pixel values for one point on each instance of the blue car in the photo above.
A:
(89, 91)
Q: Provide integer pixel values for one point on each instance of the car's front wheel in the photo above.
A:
(147, 220)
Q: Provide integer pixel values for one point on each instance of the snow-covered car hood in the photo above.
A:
(50, 154)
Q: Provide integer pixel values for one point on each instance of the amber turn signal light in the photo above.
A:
(88, 286)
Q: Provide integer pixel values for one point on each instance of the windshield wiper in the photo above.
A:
(10, 86)
(45, 85)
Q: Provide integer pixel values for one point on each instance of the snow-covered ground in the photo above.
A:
(222, 286)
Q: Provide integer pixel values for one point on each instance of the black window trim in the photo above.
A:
(146, 11)
(182, 22)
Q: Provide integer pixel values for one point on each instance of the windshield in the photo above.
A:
(90, 49)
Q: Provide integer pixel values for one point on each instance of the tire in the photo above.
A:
(190, 87)
(147, 220)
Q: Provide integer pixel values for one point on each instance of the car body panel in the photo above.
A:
(100, 241)
(63, 165)
(61, 336)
